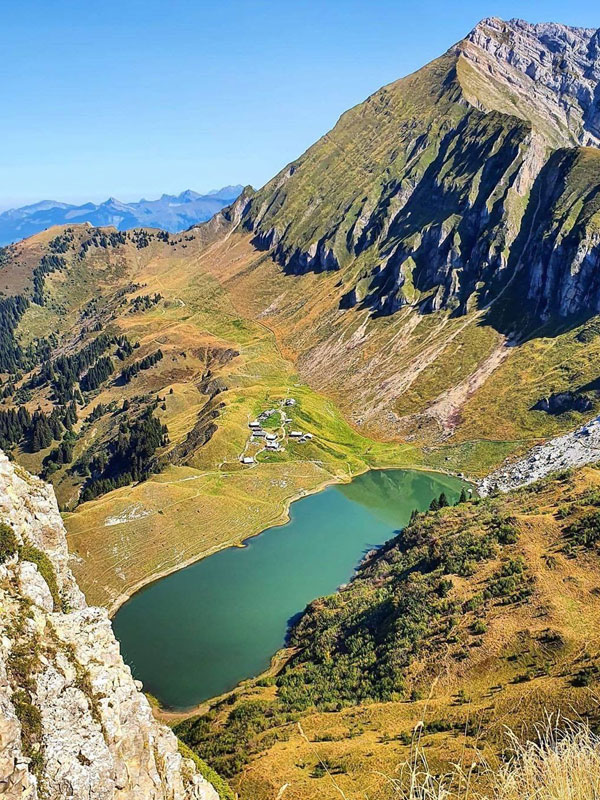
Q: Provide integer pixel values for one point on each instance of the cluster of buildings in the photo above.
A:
(271, 441)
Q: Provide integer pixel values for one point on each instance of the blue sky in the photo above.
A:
(135, 98)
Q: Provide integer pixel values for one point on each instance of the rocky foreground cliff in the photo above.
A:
(73, 722)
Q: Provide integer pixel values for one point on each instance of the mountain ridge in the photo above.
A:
(170, 212)
(423, 284)
(470, 137)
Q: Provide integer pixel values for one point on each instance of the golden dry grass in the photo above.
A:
(562, 763)
(386, 373)
(211, 502)
(521, 666)
(361, 382)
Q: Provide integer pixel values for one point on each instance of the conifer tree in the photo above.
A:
(41, 435)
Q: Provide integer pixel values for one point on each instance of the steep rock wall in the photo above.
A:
(547, 72)
(73, 722)
(557, 256)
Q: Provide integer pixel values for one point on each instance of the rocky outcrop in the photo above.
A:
(557, 256)
(437, 224)
(454, 235)
(546, 72)
(73, 722)
(562, 402)
(571, 450)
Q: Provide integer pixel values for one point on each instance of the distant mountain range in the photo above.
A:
(170, 212)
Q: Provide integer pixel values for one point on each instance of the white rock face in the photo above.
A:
(73, 723)
(571, 450)
(548, 71)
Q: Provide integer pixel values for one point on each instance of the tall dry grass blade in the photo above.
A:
(564, 764)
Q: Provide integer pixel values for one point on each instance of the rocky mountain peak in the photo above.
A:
(547, 72)
(435, 191)
(73, 722)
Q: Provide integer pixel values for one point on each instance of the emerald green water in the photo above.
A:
(200, 631)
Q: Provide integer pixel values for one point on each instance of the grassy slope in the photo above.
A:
(474, 671)
(211, 501)
(439, 380)
(292, 341)
(384, 374)
(347, 170)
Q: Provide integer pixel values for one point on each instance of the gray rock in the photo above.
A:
(97, 738)
(548, 71)
(571, 450)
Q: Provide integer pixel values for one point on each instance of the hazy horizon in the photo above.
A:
(142, 99)
(6, 206)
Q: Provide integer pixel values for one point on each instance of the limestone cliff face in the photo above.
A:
(432, 192)
(548, 73)
(559, 265)
(73, 722)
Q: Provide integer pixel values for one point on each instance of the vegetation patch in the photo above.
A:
(128, 458)
(22, 664)
(40, 559)
(511, 583)
(145, 363)
(222, 787)
(242, 737)
(30, 718)
(585, 531)
(8, 542)
(357, 646)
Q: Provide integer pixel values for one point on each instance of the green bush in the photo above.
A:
(31, 728)
(586, 530)
(223, 789)
(511, 583)
(8, 542)
(585, 677)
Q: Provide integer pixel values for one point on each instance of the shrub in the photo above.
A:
(31, 728)
(8, 542)
(584, 677)
(511, 583)
(586, 530)
(473, 603)
(222, 788)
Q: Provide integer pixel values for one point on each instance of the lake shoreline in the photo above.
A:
(171, 716)
(283, 519)
(192, 639)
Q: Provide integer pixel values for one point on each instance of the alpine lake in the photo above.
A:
(198, 632)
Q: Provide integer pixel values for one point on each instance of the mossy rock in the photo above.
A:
(221, 786)
(46, 569)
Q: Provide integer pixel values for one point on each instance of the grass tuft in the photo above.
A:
(562, 764)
